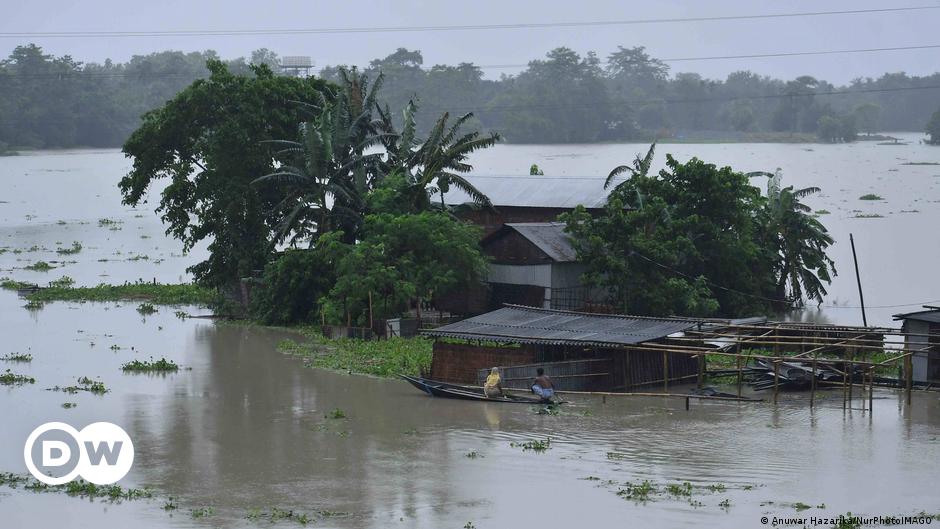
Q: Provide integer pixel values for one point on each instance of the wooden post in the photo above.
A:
(845, 388)
(871, 390)
(908, 376)
(776, 379)
(858, 279)
(665, 371)
(701, 371)
(812, 390)
(851, 375)
(687, 404)
(740, 372)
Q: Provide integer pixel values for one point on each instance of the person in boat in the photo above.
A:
(494, 384)
(543, 386)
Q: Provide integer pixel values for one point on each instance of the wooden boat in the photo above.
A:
(456, 391)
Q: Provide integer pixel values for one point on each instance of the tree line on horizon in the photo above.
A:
(48, 101)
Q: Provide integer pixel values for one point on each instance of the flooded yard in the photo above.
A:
(243, 434)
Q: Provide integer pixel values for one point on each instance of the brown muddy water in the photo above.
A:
(243, 427)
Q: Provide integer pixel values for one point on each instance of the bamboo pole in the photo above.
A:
(845, 388)
(652, 346)
(908, 377)
(701, 371)
(776, 380)
(871, 390)
(802, 342)
(740, 373)
(851, 373)
(843, 337)
(812, 390)
(665, 371)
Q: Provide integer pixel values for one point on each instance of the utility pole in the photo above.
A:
(858, 279)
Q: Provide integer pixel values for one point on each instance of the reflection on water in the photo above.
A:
(244, 427)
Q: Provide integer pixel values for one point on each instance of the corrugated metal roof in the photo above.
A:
(534, 191)
(550, 237)
(931, 316)
(517, 324)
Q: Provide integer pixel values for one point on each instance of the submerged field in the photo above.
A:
(232, 432)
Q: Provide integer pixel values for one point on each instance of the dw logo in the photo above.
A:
(55, 453)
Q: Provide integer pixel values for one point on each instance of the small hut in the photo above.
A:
(922, 333)
(535, 264)
(580, 351)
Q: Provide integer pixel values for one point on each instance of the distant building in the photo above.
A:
(535, 264)
(920, 324)
(296, 65)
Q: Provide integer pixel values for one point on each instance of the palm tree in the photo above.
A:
(326, 174)
(439, 162)
(639, 168)
(799, 241)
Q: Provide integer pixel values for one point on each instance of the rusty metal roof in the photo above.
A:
(518, 324)
(550, 237)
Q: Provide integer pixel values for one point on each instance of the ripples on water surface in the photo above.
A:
(243, 427)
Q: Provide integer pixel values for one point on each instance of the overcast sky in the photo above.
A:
(500, 46)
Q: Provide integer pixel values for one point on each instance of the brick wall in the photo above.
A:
(459, 363)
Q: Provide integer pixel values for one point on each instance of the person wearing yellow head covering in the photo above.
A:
(494, 385)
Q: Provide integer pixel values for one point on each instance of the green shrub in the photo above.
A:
(290, 288)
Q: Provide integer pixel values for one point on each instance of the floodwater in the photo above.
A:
(244, 427)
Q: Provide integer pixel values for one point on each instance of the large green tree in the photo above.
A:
(402, 260)
(211, 142)
(683, 241)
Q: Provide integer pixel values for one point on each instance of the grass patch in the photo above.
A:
(637, 492)
(9, 378)
(74, 249)
(8, 284)
(39, 266)
(162, 364)
(868, 216)
(870, 196)
(84, 384)
(160, 294)
(80, 488)
(17, 357)
(384, 358)
(146, 308)
(336, 414)
(538, 446)
(62, 282)
(823, 212)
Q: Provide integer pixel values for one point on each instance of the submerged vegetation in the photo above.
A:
(161, 365)
(538, 446)
(160, 294)
(8, 378)
(39, 266)
(96, 387)
(79, 488)
(17, 357)
(384, 358)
